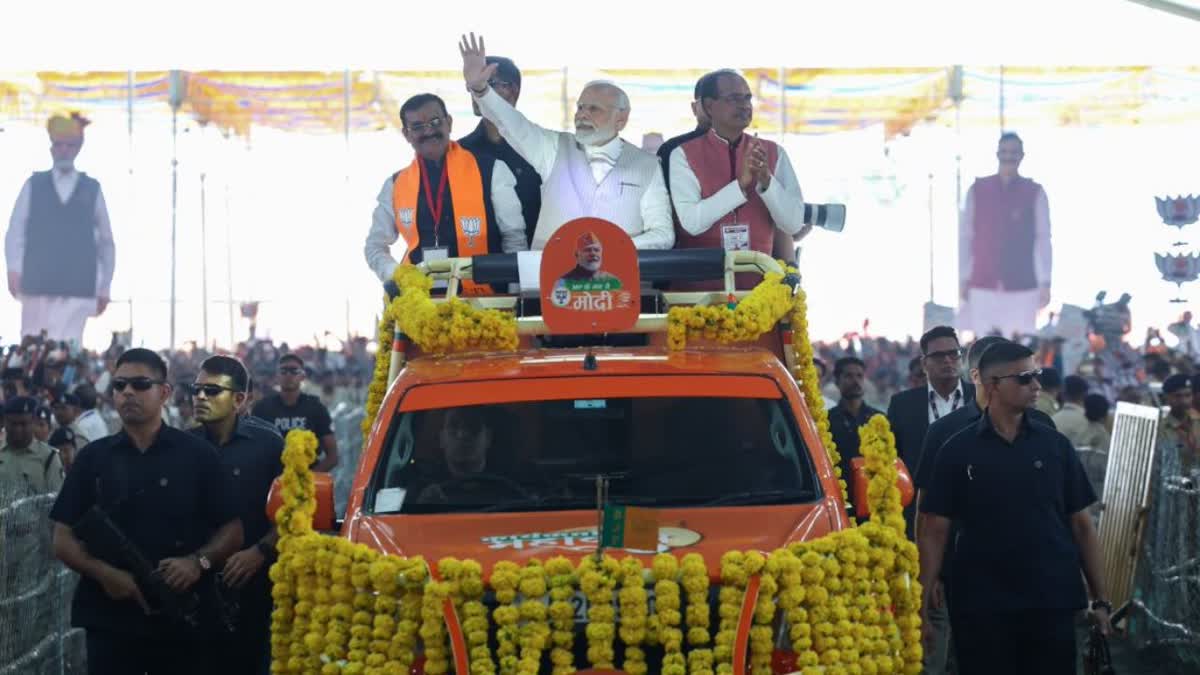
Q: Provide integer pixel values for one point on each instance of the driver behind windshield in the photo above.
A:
(467, 478)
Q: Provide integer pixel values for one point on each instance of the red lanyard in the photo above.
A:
(435, 207)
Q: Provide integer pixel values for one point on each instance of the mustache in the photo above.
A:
(432, 137)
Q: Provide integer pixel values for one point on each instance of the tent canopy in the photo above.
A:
(810, 101)
(670, 34)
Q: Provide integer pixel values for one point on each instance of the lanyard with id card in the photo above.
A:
(437, 251)
(735, 237)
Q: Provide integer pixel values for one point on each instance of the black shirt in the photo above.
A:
(843, 426)
(168, 500)
(941, 431)
(252, 460)
(308, 413)
(529, 183)
(1012, 505)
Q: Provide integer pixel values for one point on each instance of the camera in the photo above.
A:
(830, 217)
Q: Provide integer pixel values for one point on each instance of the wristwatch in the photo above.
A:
(478, 92)
(205, 563)
(265, 549)
(1102, 604)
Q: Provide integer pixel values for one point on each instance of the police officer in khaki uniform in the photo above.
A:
(23, 458)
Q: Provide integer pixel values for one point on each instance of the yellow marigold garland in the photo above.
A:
(694, 575)
(506, 576)
(562, 614)
(598, 580)
(667, 606)
(453, 325)
(635, 612)
(761, 633)
(752, 316)
(534, 633)
(436, 328)
(850, 600)
(810, 383)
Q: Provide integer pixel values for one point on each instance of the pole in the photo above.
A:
(229, 264)
(129, 117)
(174, 209)
(204, 255)
(783, 111)
(177, 94)
(1002, 127)
(931, 238)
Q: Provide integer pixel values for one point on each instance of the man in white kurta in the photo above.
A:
(1005, 252)
(592, 172)
(59, 247)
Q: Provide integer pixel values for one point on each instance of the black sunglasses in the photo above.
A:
(947, 354)
(209, 390)
(138, 383)
(1023, 378)
(291, 371)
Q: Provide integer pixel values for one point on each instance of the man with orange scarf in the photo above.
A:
(449, 203)
(59, 247)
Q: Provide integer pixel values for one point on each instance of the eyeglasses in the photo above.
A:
(1023, 378)
(494, 84)
(735, 99)
(290, 371)
(209, 390)
(435, 123)
(138, 383)
(947, 354)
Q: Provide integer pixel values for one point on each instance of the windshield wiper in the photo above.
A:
(760, 497)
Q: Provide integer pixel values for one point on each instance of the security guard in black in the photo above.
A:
(1015, 499)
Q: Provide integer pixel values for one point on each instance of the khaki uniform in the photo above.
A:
(1182, 438)
(37, 466)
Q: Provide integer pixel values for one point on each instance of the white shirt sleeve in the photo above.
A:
(658, 230)
(539, 146)
(106, 251)
(696, 214)
(1043, 253)
(966, 232)
(14, 239)
(382, 235)
(507, 207)
(783, 197)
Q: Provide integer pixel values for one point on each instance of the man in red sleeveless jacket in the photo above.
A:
(1004, 248)
(730, 190)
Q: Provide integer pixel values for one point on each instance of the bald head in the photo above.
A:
(601, 113)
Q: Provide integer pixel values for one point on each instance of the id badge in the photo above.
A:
(436, 253)
(735, 237)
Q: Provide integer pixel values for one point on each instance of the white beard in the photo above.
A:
(594, 137)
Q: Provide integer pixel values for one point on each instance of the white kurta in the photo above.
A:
(626, 184)
(62, 318)
(1010, 312)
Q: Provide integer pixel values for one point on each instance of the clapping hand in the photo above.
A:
(756, 157)
(476, 70)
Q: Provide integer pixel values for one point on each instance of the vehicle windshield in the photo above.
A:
(546, 455)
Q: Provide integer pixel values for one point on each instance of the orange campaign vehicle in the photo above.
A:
(568, 479)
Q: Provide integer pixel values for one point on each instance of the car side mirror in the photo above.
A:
(859, 481)
(323, 520)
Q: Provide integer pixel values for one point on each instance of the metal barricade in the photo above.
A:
(35, 591)
(347, 428)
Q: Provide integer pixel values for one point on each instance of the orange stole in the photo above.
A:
(466, 198)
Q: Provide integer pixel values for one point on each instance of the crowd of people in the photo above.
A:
(976, 424)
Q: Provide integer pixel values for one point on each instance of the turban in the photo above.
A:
(67, 127)
(587, 239)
